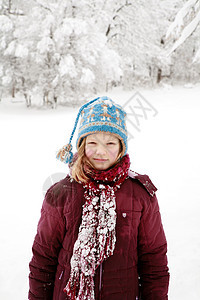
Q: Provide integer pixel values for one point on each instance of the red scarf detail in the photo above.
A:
(116, 174)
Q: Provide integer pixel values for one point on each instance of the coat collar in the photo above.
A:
(144, 180)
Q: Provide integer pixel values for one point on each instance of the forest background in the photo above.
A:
(65, 51)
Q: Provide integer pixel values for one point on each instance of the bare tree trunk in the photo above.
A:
(9, 5)
(55, 98)
(13, 90)
(159, 75)
(44, 98)
(28, 99)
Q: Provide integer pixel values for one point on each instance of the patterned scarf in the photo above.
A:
(97, 237)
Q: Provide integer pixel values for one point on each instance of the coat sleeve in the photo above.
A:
(46, 247)
(152, 249)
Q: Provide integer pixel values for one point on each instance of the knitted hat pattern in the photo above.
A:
(99, 115)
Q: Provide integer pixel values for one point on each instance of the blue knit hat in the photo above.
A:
(99, 115)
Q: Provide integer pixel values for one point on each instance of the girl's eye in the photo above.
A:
(92, 143)
(111, 143)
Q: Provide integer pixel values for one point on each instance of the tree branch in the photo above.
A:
(116, 15)
(44, 7)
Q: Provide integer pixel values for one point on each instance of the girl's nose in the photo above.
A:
(101, 150)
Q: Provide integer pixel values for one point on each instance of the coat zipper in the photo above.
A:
(60, 277)
(100, 277)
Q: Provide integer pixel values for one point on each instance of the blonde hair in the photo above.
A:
(78, 167)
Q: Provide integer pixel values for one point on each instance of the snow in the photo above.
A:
(45, 45)
(187, 31)
(178, 22)
(6, 80)
(11, 48)
(197, 56)
(181, 29)
(68, 66)
(21, 51)
(166, 148)
(5, 24)
(87, 77)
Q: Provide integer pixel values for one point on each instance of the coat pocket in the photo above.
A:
(127, 227)
(128, 218)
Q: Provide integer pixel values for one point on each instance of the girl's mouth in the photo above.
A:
(100, 159)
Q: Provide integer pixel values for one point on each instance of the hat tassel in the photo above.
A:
(65, 154)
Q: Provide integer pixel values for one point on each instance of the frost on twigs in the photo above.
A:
(185, 23)
(58, 51)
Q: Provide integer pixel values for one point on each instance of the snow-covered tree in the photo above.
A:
(66, 51)
(136, 32)
(13, 53)
(63, 51)
(6, 36)
(186, 22)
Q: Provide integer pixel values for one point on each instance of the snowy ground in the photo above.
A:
(166, 148)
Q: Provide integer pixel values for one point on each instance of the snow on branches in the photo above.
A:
(185, 23)
(58, 50)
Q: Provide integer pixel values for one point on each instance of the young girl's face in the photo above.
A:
(102, 150)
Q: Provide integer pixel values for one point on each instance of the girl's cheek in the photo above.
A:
(114, 153)
(89, 152)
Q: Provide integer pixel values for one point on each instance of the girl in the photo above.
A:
(100, 234)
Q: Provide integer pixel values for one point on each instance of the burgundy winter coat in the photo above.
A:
(138, 268)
